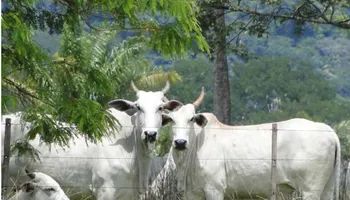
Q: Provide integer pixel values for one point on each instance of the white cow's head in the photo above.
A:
(183, 121)
(148, 109)
(40, 187)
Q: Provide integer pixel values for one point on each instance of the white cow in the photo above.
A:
(214, 160)
(117, 168)
(40, 187)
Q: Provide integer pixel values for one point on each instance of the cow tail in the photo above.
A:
(336, 174)
(331, 190)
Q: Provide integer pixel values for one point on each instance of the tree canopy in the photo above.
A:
(92, 65)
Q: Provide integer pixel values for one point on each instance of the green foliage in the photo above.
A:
(196, 73)
(257, 17)
(171, 25)
(326, 53)
(22, 147)
(73, 195)
(76, 86)
(269, 89)
(343, 131)
(150, 78)
(157, 78)
(265, 89)
(164, 141)
(92, 66)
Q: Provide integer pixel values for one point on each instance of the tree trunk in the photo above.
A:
(222, 103)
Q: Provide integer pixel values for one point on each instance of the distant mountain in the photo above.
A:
(325, 47)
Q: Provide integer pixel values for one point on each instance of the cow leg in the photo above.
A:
(102, 188)
(314, 189)
(105, 192)
(313, 195)
(313, 184)
(327, 195)
(213, 194)
(144, 173)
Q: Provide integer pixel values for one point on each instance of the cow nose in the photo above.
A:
(151, 136)
(180, 144)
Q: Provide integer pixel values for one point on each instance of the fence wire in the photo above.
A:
(208, 159)
(233, 129)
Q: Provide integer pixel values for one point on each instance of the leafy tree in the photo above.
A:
(225, 22)
(91, 66)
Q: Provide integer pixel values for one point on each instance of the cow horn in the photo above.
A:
(199, 100)
(134, 86)
(166, 87)
(165, 99)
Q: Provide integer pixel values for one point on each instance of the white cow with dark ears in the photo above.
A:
(213, 160)
(132, 175)
(40, 187)
(119, 166)
(170, 167)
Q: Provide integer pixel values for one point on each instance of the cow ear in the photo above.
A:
(172, 105)
(123, 105)
(201, 120)
(166, 119)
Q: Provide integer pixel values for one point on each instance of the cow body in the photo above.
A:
(235, 161)
(83, 165)
(119, 166)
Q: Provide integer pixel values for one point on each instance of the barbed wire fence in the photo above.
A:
(167, 186)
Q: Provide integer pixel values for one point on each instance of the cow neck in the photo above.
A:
(199, 140)
(127, 141)
(185, 164)
(142, 157)
(141, 146)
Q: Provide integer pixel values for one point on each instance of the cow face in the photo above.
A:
(148, 109)
(183, 121)
(40, 187)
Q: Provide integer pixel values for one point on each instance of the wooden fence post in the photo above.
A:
(6, 160)
(274, 162)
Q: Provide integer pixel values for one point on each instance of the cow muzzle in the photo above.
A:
(151, 136)
(180, 144)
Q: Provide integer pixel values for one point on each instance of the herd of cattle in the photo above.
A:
(210, 160)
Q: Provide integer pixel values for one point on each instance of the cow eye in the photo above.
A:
(51, 189)
(138, 107)
(160, 108)
(192, 119)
